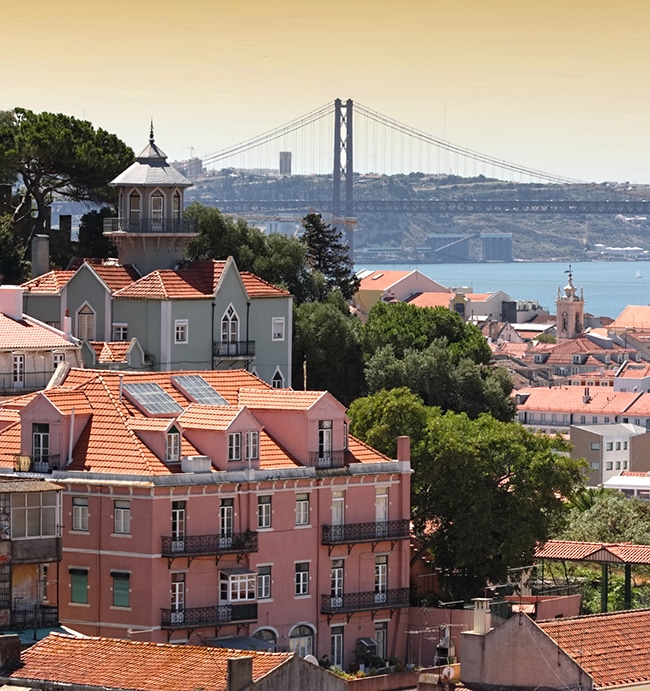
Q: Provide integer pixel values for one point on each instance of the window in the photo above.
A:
(86, 324)
(79, 513)
(178, 524)
(381, 636)
(336, 646)
(181, 331)
(178, 597)
(157, 206)
(173, 446)
(336, 583)
(57, 359)
(34, 515)
(235, 587)
(302, 509)
(302, 578)
(594, 420)
(618, 465)
(531, 417)
(624, 446)
(234, 446)
(79, 586)
(542, 417)
(277, 329)
(5, 586)
(618, 445)
(637, 421)
(230, 326)
(18, 370)
(252, 445)
(122, 517)
(226, 517)
(595, 465)
(40, 441)
(583, 419)
(565, 419)
(263, 582)
(264, 512)
(606, 420)
(176, 206)
(381, 577)
(278, 380)
(301, 640)
(134, 207)
(594, 446)
(121, 588)
(120, 332)
(609, 446)
(609, 465)
(325, 440)
(553, 418)
(267, 635)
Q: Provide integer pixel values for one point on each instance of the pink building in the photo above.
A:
(201, 505)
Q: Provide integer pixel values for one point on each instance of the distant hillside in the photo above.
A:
(535, 237)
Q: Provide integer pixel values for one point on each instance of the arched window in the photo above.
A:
(157, 206)
(230, 330)
(86, 324)
(267, 635)
(134, 207)
(301, 640)
(278, 380)
(176, 206)
(173, 446)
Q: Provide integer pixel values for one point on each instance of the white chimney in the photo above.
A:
(482, 616)
(11, 301)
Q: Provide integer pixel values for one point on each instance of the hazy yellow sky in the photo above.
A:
(557, 85)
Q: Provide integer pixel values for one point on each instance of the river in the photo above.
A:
(608, 286)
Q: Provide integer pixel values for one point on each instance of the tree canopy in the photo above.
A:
(484, 492)
(51, 154)
(328, 254)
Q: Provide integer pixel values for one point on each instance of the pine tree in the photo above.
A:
(328, 254)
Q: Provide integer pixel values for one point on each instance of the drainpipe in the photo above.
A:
(71, 437)
(248, 312)
(212, 337)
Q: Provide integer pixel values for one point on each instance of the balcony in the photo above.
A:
(198, 617)
(35, 464)
(209, 545)
(349, 603)
(34, 617)
(234, 349)
(327, 459)
(365, 532)
(151, 226)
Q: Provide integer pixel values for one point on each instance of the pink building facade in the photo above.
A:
(209, 505)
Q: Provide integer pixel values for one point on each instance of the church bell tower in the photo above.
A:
(570, 310)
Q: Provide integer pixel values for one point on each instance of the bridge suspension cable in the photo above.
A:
(271, 135)
(454, 148)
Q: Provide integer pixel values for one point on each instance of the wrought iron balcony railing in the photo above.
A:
(327, 459)
(34, 616)
(208, 616)
(168, 226)
(35, 464)
(234, 349)
(365, 532)
(198, 545)
(364, 602)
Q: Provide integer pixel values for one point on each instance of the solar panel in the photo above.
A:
(195, 387)
(152, 398)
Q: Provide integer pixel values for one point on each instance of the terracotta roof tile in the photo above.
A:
(633, 317)
(257, 287)
(50, 283)
(613, 648)
(380, 280)
(139, 666)
(430, 300)
(285, 399)
(570, 399)
(30, 334)
(362, 453)
(618, 552)
(216, 417)
(110, 351)
(66, 401)
(115, 276)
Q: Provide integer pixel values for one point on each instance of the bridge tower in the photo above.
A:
(343, 168)
(569, 320)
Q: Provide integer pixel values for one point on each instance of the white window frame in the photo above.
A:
(120, 331)
(18, 370)
(230, 326)
(86, 323)
(302, 508)
(34, 515)
(264, 572)
(264, 512)
(57, 359)
(277, 328)
(277, 381)
(301, 578)
(234, 446)
(157, 208)
(173, 446)
(122, 517)
(252, 445)
(238, 587)
(181, 332)
(80, 514)
(135, 212)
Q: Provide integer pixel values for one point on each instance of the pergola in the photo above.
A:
(620, 553)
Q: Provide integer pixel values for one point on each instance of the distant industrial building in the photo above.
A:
(497, 247)
(285, 162)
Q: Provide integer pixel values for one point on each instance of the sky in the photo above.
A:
(555, 85)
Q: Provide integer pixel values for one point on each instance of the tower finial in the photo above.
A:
(151, 132)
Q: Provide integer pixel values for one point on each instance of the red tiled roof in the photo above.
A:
(115, 276)
(110, 351)
(256, 287)
(430, 300)
(570, 399)
(613, 648)
(617, 552)
(196, 280)
(49, 283)
(276, 399)
(633, 317)
(217, 417)
(362, 453)
(30, 334)
(135, 665)
(380, 280)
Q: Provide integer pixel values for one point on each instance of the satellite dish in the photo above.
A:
(448, 673)
(312, 659)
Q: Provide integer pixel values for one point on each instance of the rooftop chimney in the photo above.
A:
(40, 255)
(240, 673)
(9, 652)
(11, 301)
(404, 449)
(482, 614)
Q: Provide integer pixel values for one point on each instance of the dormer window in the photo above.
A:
(173, 446)
(40, 442)
(86, 323)
(234, 446)
(252, 445)
(577, 359)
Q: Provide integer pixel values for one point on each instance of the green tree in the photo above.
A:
(57, 155)
(13, 269)
(92, 241)
(326, 346)
(328, 254)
